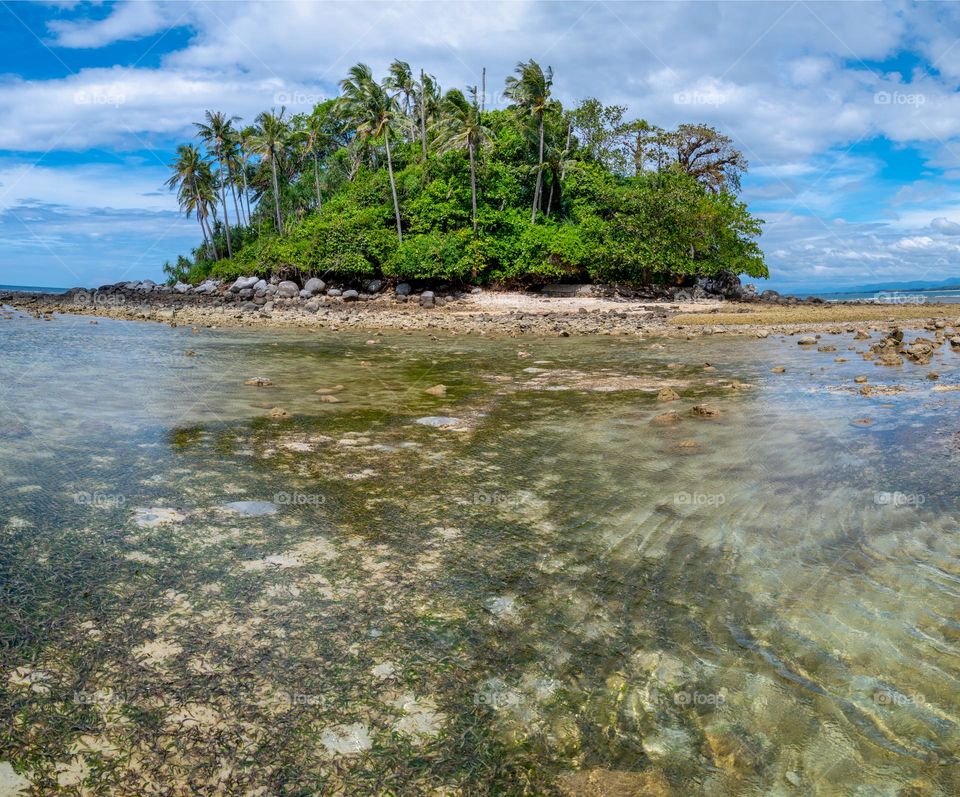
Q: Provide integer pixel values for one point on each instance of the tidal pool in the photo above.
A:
(537, 580)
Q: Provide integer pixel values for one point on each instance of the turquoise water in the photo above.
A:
(557, 589)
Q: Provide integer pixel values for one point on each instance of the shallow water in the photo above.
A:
(198, 598)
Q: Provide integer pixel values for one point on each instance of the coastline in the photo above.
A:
(495, 313)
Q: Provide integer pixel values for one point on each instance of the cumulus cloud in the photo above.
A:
(797, 86)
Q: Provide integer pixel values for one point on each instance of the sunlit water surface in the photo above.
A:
(553, 594)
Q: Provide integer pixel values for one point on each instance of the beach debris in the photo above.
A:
(777, 369)
(259, 381)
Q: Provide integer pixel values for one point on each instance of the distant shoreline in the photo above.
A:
(495, 314)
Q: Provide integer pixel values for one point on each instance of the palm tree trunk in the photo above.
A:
(550, 198)
(233, 193)
(473, 187)
(536, 191)
(276, 192)
(316, 180)
(226, 220)
(393, 185)
(213, 243)
(246, 190)
(423, 113)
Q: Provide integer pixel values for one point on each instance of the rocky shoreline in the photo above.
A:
(715, 306)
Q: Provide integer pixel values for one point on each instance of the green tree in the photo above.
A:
(195, 184)
(217, 134)
(270, 140)
(530, 91)
(459, 128)
(372, 112)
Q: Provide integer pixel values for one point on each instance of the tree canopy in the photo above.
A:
(397, 178)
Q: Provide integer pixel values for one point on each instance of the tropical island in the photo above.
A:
(396, 178)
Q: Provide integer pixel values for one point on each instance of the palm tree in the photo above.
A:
(530, 90)
(460, 128)
(196, 189)
(428, 105)
(217, 134)
(372, 112)
(270, 139)
(400, 79)
(243, 150)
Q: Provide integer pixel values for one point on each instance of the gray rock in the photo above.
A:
(372, 286)
(334, 292)
(249, 307)
(313, 286)
(181, 287)
(312, 306)
(426, 295)
(252, 508)
(288, 289)
(260, 286)
(243, 283)
(304, 294)
(207, 287)
(807, 340)
(350, 296)
(271, 290)
(403, 289)
(476, 290)
(274, 280)
(438, 421)
(246, 293)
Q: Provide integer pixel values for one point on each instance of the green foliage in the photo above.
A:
(619, 200)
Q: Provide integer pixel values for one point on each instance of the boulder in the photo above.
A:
(260, 287)
(334, 292)
(807, 340)
(725, 284)
(350, 296)
(403, 289)
(242, 283)
(667, 394)
(181, 287)
(372, 286)
(769, 296)
(313, 286)
(207, 287)
(288, 289)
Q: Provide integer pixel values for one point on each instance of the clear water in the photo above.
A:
(760, 603)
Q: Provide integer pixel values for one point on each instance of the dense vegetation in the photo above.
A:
(396, 178)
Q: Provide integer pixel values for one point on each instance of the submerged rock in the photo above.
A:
(151, 517)
(705, 411)
(667, 394)
(437, 390)
(259, 381)
(346, 739)
(252, 508)
(438, 421)
(12, 784)
(615, 783)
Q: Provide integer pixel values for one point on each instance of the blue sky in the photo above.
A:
(848, 113)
